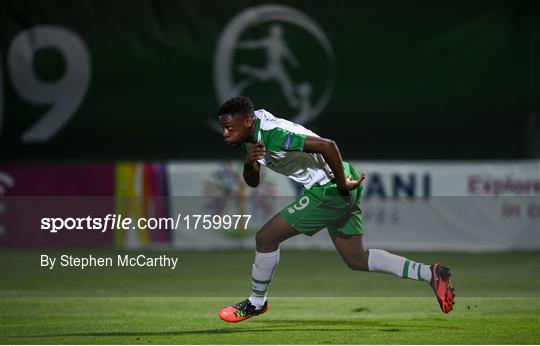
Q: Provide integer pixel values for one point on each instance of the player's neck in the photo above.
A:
(252, 132)
(251, 138)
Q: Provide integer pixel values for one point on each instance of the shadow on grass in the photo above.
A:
(270, 326)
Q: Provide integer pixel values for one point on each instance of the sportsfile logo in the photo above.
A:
(119, 222)
(109, 222)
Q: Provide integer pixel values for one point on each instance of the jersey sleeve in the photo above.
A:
(279, 139)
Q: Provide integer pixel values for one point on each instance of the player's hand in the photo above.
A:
(255, 152)
(351, 184)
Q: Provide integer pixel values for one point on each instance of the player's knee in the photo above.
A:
(359, 264)
(263, 242)
(259, 239)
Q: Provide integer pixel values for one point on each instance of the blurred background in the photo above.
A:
(110, 107)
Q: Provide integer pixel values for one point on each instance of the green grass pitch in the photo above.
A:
(315, 299)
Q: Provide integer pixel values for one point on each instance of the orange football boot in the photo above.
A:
(440, 282)
(241, 311)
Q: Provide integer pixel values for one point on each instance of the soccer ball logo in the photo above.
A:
(271, 25)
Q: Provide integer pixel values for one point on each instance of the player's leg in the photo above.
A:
(273, 233)
(351, 249)
(267, 239)
(282, 77)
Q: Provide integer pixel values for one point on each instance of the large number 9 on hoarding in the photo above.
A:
(63, 95)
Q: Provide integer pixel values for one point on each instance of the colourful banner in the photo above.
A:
(29, 193)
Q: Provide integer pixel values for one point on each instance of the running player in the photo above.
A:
(331, 199)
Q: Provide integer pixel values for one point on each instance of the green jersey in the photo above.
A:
(284, 144)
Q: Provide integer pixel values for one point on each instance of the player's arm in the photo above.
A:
(330, 151)
(252, 168)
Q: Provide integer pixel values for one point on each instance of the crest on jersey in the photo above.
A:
(288, 142)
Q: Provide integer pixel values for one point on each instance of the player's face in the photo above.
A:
(236, 129)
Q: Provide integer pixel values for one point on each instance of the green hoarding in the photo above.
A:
(99, 80)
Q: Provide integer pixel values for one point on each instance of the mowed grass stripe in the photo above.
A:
(311, 320)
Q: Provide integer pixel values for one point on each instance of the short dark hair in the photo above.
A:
(237, 105)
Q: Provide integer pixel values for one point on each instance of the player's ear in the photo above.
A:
(249, 121)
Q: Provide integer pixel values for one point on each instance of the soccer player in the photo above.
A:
(331, 199)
